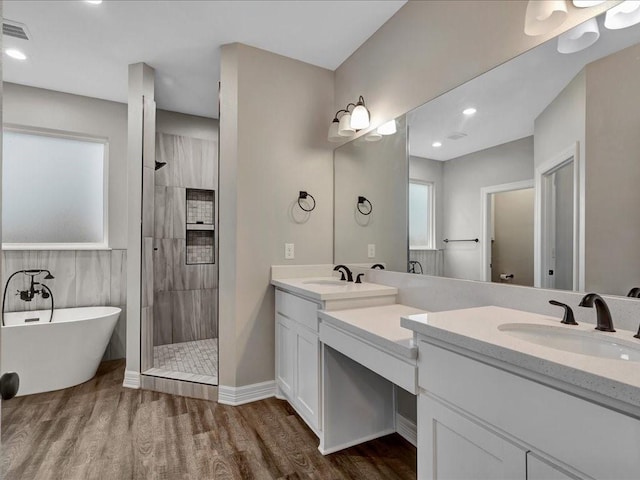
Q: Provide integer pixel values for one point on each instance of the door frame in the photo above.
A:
(541, 253)
(485, 202)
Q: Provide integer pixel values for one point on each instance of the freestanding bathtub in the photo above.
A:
(61, 354)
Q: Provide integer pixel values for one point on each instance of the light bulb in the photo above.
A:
(334, 136)
(344, 128)
(359, 117)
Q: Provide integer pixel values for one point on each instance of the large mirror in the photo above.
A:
(527, 175)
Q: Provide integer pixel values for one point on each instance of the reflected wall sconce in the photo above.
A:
(347, 122)
(363, 202)
(623, 15)
(388, 128)
(544, 16)
(580, 37)
(305, 196)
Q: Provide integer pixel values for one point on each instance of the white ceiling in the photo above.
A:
(508, 98)
(84, 49)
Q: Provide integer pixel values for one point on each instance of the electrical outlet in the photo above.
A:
(371, 250)
(289, 251)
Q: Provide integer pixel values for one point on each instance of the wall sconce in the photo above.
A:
(388, 128)
(303, 196)
(544, 17)
(362, 201)
(587, 3)
(351, 121)
(580, 37)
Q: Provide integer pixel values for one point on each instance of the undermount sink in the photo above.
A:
(337, 283)
(577, 341)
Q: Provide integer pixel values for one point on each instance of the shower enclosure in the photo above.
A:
(180, 272)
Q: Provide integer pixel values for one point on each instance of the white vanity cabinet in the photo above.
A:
(482, 422)
(298, 355)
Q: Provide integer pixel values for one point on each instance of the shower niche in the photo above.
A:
(200, 234)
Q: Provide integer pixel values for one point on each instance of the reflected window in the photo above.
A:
(53, 190)
(421, 215)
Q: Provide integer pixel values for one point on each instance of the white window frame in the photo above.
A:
(432, 216)
(104, 244)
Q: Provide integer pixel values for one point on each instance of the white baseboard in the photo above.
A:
(407, 429)
(249, 393)
(131, 379)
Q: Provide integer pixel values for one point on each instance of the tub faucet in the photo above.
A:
(343, 269)
(29, 294)
(604, 321)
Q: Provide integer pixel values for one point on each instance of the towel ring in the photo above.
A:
(303, 196)
(361, 201)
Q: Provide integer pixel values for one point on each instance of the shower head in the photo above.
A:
(159, 165)
(49, 276)
(34, 271)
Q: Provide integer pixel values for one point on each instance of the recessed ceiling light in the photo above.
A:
(469, 111)
(436, 144)
(17, 54)
(94, 2)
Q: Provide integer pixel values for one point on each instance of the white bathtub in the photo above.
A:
(60, 354)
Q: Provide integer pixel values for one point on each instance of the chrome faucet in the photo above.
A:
(604, 321)
(343, 269)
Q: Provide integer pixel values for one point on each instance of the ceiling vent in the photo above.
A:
(15, 29)
(456, 136)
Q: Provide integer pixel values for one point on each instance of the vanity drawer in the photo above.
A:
(297, 309)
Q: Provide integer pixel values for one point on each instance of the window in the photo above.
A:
(421, 215)
(54, 191)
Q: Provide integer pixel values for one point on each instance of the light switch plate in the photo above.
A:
(289, 251)
(371, 250)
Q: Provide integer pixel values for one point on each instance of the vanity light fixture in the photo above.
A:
(544, 16)
(580, 37)
(436, 144)
(623, 15)
(469, 111)
(388, 128)
(347, 124)
(17, 54)
(587, 3)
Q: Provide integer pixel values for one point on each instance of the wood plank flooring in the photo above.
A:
(100, 430)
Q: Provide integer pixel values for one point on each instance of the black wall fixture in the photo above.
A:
(363, 202)
(303, 196)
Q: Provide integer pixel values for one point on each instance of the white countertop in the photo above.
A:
(346, 290)
(378, 325)
(476, 330)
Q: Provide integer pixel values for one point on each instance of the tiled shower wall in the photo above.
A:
(185, 296)
(83, 278)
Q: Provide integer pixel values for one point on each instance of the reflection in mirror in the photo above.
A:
(536, 159)
(374, 168)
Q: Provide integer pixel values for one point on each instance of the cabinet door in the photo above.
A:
(285, 355)
(307, 374)
(451, 446)
(538, 469)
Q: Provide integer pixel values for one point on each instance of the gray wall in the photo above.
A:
(612, 224)
(275, 114)
(379, 172)
(463, 178)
